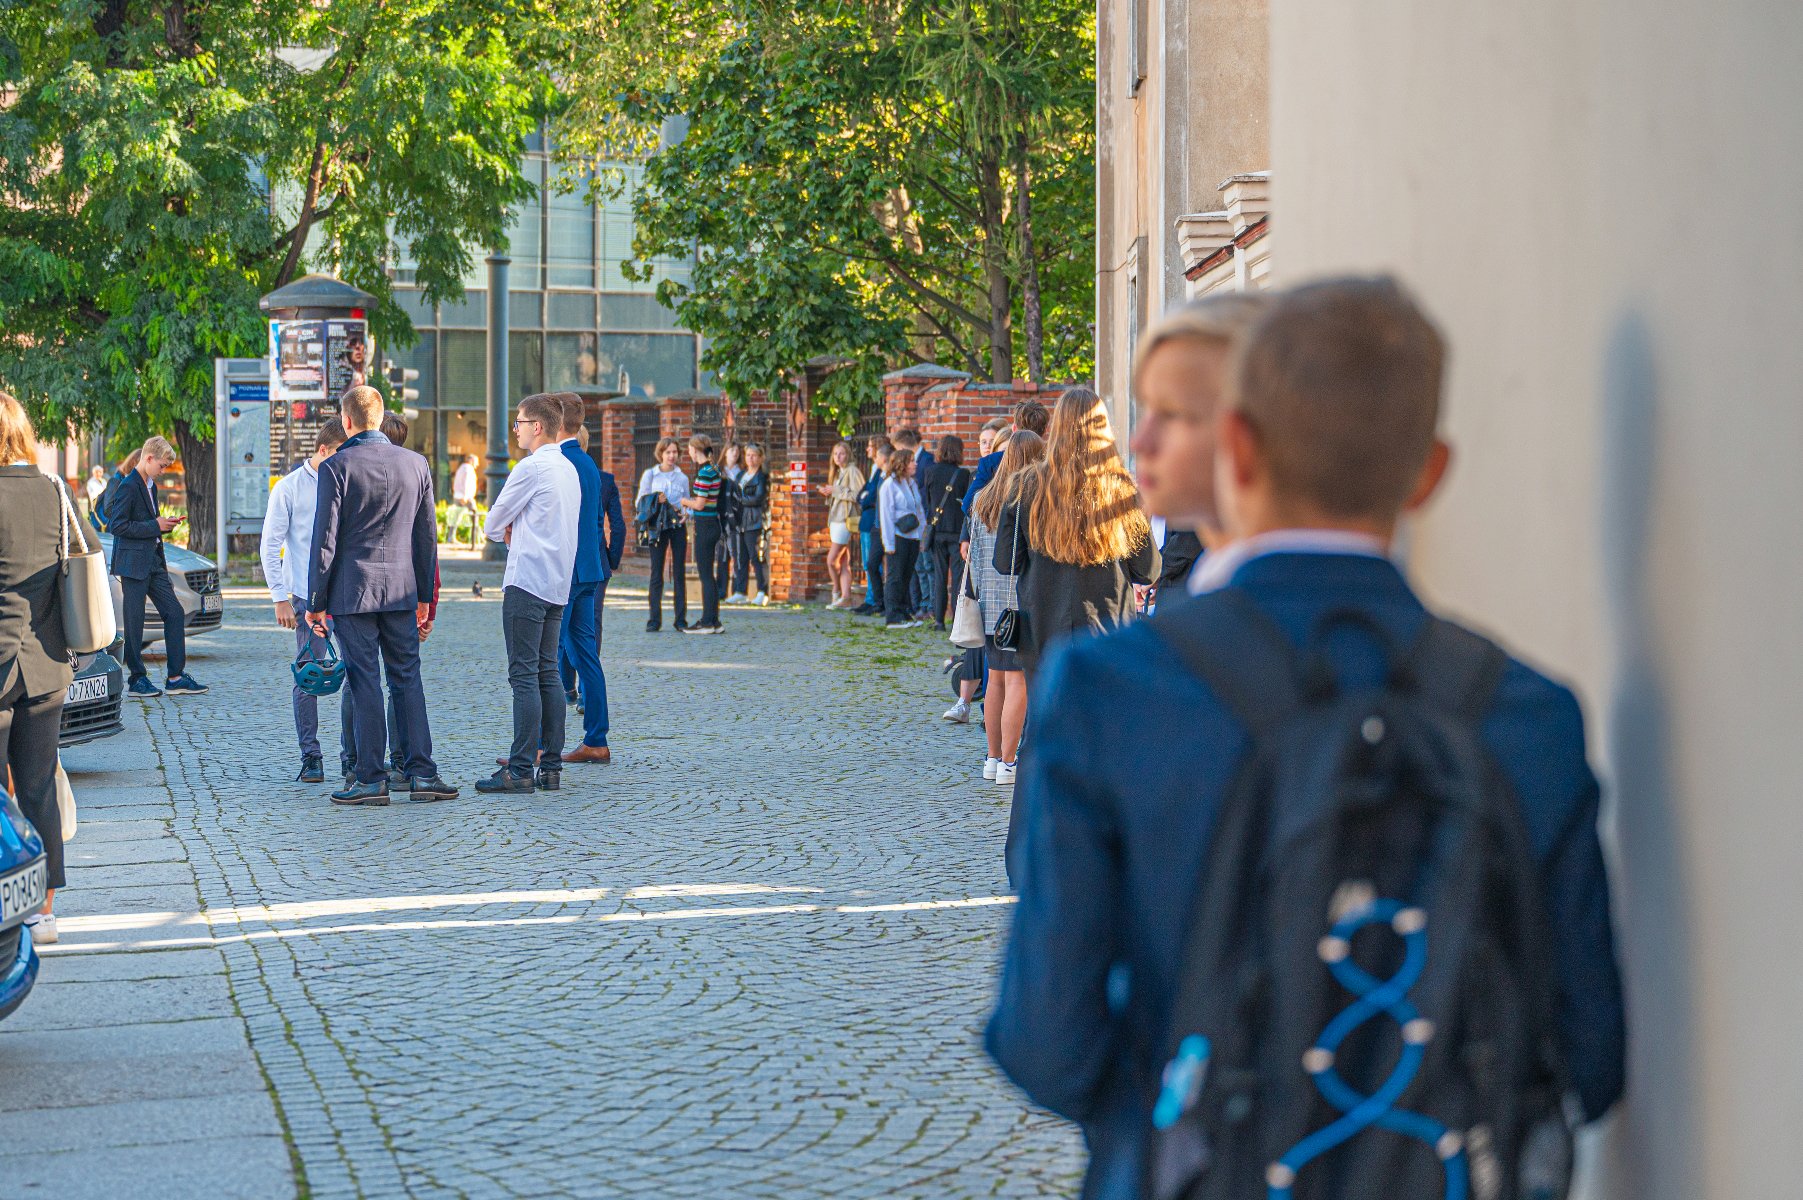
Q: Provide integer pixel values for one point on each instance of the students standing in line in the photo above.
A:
(287, 554)
(1005, 701)
(667, 487)
(703, 504)
(903, 520)
(943, 494)
(754, 508)
(1322, 438)
(870, 527)
(844, 481)
(1026, 414)
(538, 514)
(1076, 536)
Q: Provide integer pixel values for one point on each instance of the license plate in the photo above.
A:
(211, 604)
(82, 690)
(22, 892)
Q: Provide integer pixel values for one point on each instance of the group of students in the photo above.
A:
(727, 504)
(1312, 900)
(349, 549)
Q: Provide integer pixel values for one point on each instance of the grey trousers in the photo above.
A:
(531, 627)
(306, 707)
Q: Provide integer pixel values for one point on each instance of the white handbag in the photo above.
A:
(967, 618)
(85, 593)
(65, 800)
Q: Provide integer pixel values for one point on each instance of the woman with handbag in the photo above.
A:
(943, 491)
(843, 483)
(34, 653)
(1075, 536)
(1005, 700)
(902, 523)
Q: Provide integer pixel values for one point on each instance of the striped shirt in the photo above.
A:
(707, 490)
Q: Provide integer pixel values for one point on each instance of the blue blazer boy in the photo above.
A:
(138, 560)
(601, 540)
(1131, 757)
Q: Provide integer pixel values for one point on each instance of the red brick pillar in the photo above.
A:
(902, 391)
(616, 454)
(798, 533)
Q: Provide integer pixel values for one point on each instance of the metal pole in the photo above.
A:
(499, 410)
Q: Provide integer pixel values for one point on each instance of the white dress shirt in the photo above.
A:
(542, 504)
(1218, 567)
(288, 534)
(463, 484)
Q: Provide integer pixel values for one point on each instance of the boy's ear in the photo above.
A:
(1439, 460)
(1238, 445)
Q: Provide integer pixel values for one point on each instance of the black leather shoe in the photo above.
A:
(549, 781)
(374, 795)
(434, 788)
(570, 696)
(397, 779)
(313, 769)
(653, 626)
(506, 783)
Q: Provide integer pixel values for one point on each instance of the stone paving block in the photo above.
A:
(227, 1168)
(109, 899)
(143, 964)
(162, 848)
(110, 830)
(134, 1123)
(144, 874)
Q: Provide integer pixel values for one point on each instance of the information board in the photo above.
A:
(798, 477)
(247, 455)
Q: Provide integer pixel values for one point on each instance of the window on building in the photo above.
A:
(422, 356)
(655, 364)
(1138, 49)
(463, 371)
(525, 232)
(471, 312)
(525, 365)
(571, 361)
(570, 237)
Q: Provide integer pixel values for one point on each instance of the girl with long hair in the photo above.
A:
(902, 524)
(1005, 702)
(1075, 536)
(844, 480)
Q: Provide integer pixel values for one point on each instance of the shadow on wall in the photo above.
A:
(1654, 1153)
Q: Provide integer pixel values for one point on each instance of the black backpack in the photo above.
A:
(1365, 1008)
(731, 502)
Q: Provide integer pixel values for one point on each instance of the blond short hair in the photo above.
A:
(362, 405)
(18, 440)
(1218, 317)
(156, 446)
(1341, 381)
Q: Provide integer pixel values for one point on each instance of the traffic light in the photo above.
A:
(398, 379)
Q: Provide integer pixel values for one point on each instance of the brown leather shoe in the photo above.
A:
(585, 753)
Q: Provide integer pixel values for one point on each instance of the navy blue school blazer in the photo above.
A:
(1130, 757)
(596, 560)
(375, 533)
(131, 517)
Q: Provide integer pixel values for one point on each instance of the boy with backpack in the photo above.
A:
(1312, 902)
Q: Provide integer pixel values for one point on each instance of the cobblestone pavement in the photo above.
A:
(751, 958)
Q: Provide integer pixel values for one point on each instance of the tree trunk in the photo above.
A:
(995, 265)
(200, 479)
(1031, 315)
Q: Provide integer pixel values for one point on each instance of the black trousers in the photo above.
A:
(898, 576)
(672, 546)
(748, 556)
(723, 559)
(29, 729)
(373, 644)
(707, 546)
(945, 563)
(532, 628)
(161, 592)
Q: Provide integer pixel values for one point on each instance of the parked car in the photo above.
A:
(24, 886)
(196, 582)
(94, 707)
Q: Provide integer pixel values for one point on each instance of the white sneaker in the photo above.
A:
(736, 598)
(959, 713)
(1004, 774)
(762, 600)
(43, 928)
(989, 766)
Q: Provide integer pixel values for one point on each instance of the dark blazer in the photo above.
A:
(375, 532)
(1182, 547)
(754, 499)
(943, 493)
(1131, 759)
(986, 469)
(616, 523)
(1059, 599)
(590, 566)
(131, 517)
(867, 502)
(31, 616)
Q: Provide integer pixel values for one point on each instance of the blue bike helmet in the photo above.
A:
(318, 676)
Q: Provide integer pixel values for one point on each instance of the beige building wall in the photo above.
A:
(1164, 147)
(1602, 201)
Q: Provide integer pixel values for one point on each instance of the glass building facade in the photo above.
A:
(576, 320)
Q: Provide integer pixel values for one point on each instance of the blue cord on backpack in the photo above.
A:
(1388, 997)
(1183, 1079)
(316, 676)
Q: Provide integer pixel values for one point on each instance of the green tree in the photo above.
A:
(161, 166)
(874, 183)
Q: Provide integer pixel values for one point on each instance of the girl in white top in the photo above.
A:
(902, 517)
(666, 477)
(672, 545)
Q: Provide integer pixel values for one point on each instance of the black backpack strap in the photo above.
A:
(1238, 651)
(1456, 668)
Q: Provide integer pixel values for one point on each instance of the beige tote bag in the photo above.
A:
(85, 593)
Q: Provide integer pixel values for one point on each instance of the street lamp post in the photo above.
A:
(498, 408)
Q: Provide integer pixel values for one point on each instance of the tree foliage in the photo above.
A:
(162, 165)
(874, 182)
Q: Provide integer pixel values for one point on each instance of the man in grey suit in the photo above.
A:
(375, 555)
